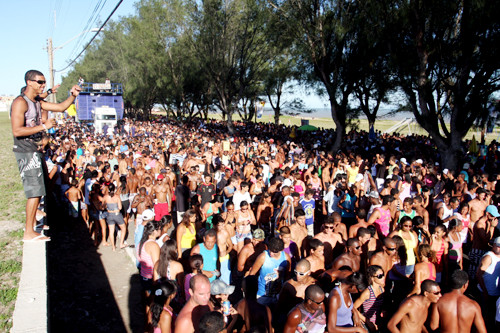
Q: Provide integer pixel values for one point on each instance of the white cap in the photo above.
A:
(419, 161)
(445, 171)
(403, 160)
(147, 215)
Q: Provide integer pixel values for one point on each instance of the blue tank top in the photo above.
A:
(209, 259)
(344, 313)
(270, 280)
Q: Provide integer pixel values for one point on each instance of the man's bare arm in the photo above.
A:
(61, 107)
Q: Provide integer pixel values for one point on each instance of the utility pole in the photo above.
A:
(50, 51)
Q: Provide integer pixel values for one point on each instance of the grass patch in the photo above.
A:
(8, 295)
(10, 266)
(12, 212)
(5, 322)
(17, 234)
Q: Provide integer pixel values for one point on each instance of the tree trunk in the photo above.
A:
(449, 156)
(230, 127)
(277, 112)
(339, 126)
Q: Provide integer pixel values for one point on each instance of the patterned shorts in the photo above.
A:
(31, 168)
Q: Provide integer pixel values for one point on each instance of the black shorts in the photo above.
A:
(31, 168)
(125, 205)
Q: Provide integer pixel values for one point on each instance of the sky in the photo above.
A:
(26, 25)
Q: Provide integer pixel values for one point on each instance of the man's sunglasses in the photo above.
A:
(301, 273)
(39, 81)
(319, 303)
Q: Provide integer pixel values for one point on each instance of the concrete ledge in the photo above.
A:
(30, 313)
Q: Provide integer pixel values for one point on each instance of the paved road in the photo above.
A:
(90, 289)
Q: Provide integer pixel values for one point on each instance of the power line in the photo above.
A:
(90, 23)
(97, 33)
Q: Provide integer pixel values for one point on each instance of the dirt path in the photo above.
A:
(90, 289)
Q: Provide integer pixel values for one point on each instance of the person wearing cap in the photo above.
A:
(220, 292)
(488, 277)
(147, 216)
(374, 199)
(250, 252)
(481, 236)
(162, 194)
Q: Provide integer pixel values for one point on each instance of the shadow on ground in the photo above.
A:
(80, 295)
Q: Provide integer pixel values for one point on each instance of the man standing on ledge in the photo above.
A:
(29, 120)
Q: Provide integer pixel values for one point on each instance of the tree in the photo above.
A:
(373, 77)
(445, 57)
(229, 39)
(324, 32)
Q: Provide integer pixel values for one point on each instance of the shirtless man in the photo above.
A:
(141, 202)
(298, 230)
(194, 180)
(293, 291)
(351, 258)
(455, 312)
(197, 305)
(361, 222)
(162, 193)
(225, 246)
(189, 163)
(418, 205)
(169, 174)
(478, 205)
(317, 258)
(74, 195)
(386, 257)
(148, 184)
(122, 165)
(459, 187)
(251, 251)
(412, 313)
(330, 239)
(140, 171)
(339, 227)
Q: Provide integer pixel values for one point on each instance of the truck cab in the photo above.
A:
(100, 104)
(104, 115)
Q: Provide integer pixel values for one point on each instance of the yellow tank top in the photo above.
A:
(188, 240)
(410, 246)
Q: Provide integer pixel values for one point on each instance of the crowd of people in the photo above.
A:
(259, 232)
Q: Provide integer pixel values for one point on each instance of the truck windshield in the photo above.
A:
(105, 117)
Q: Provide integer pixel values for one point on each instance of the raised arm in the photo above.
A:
(61, 107)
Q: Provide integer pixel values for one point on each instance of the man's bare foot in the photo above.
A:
(105, 244)
(114, 249)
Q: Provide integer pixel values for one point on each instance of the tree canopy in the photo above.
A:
(193, 57)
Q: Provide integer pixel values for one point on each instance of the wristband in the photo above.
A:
(49, 91)
(44, 127)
